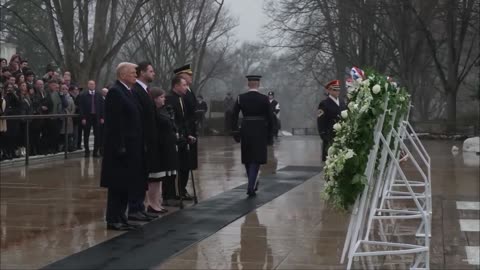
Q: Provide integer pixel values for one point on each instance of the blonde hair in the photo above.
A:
(122, 67)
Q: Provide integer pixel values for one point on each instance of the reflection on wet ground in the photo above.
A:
(298, 231)
(52, 210)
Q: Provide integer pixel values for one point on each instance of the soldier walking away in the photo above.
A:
(255, 133)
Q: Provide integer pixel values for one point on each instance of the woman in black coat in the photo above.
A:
(25, 109)
(165, 158)
(12, 134)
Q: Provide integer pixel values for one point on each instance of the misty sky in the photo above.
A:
(250, 18)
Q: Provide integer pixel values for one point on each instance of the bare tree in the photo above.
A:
(181, 32)
(338, 30)
(453, 42)
(406, 38)
(86, 34)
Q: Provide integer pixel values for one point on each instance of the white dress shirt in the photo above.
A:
(335, 99)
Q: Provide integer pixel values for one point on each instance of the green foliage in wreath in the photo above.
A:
(347, 158)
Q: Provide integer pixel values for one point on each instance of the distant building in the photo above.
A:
(7, 50)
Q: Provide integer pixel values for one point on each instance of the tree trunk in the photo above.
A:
(451, 111)
(341, 59)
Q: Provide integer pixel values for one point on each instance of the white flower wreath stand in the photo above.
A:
(387, 182)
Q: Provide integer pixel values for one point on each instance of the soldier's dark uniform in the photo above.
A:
(191, 157)
(327, 115)
(255, 131)
(276, 111)
(176, 103)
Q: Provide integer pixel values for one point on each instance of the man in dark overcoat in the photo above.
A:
(175, 101)
(328, 114)
(256, 130)
(145, 75)
(123, 170)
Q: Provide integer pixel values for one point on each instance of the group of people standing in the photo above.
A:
(24, 93)
(151, 141)
(150, 144)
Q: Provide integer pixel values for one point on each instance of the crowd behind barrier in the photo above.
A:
(24, 93)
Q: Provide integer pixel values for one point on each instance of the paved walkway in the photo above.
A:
(53, 210)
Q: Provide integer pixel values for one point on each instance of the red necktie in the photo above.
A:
(93, 103)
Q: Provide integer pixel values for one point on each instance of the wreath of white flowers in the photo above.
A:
(348, 155)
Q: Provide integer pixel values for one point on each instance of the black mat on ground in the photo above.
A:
(158, 240)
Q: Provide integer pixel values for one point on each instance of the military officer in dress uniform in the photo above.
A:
(256, 129)
(175, 101)
(328, 114)
(190, 100)
(276, 112)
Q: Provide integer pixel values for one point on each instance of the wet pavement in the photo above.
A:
(52, 210)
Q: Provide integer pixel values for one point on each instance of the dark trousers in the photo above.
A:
(117, 201)
(168, 187)
(325, 146)
(91, 123)
(182, 181)
(9, 144)
(53, 134)
(252, 173)
(100, 138)
(34, 138)
(228, 122)
(44, 136)
(79, 136)
(136, 202)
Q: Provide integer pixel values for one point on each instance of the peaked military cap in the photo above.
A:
(184, 69)
(334, 85)
(253, 77)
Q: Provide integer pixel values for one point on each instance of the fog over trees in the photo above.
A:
(431, 47)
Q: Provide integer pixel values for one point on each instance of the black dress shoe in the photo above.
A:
(118, 227)
(187, 197)
(95, 154)
(153, 211)
(87, 154)
(131, 225)
(251, 193)
(139, 217)
(150, 215)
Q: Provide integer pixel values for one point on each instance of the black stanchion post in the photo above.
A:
(65, 120)
(195, 200)
(27, 142)
(177, 191)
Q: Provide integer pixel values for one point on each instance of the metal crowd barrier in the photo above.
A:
(28, 118)
(305, 131)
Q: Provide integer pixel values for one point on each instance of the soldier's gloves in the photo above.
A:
(181, 142)
(191, 139)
